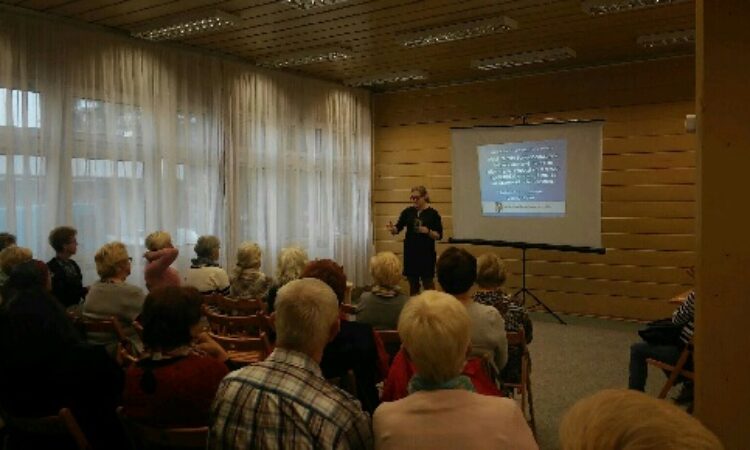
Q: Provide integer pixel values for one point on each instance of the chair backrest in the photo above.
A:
(347, 382)
(517, 338)
(389, 336)
(138, 329)
(239, 306)
(234, 345)
(145, 436)
(225, 325)
(391, 341)
(64, 423)
(104, 325)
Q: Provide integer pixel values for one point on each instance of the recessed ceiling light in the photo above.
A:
(524, 59)
(599, 7)
(311, 56)
(388, 78)
(307, 4)
(183, 25)
(455, 32)
(667, 39)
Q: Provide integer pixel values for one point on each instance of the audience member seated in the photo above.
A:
(6, 240)
(292, 261)
(45, 366)
(175, 380)
(665, 352)
(159, 257)
(382, 306)
(456, 272)
(204, 273)
(620, 419)
(355, 347)
(490, 279)
(67, 280)
(10, 257)
(285, 402)
(443, 411)
(247, 279)
(112, 296)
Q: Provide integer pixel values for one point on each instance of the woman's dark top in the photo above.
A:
(419, 248)
(44, 366)
(354, 348)
(67, 281)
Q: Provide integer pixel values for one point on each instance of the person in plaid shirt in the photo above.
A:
(284, 402)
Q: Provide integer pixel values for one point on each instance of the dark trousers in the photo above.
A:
(639, 352)
(427, 283)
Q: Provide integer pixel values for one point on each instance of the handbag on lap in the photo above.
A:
(662, 332)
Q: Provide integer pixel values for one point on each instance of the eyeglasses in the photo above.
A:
(415, 197)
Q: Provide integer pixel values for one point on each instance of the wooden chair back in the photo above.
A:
(108, 325)
(239, 306)
(347, 382)
(245, 350)
(149, 437)
(523, 386)
(225, 325)
(64, 423)
(676, 370)
(348, 309)
(391, 341)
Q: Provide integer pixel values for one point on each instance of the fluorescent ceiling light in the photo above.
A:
(667, 39)
(455, 32)
(307, 4)
(388, 78)
(599, 7)
(524, 59)
(183, 25)
(311, 56)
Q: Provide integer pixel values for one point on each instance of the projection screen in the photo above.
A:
(529, 183)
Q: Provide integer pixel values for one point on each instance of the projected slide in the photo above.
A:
(523, 178)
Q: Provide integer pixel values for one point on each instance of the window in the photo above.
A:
(20, 109)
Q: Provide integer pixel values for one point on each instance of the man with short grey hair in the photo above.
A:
(284, 401)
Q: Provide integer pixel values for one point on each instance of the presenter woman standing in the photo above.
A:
(423, 227)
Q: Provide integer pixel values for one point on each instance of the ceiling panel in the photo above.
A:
(370, 28)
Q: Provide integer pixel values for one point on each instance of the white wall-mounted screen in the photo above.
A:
(531, 183)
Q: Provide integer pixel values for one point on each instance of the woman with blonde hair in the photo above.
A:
(623, 419)
(247, 279)
(10, 257)
(160, 255)
(491, 275)
(291, 263)
(382, 306)
(112, 295)
(204, 273)
(442, 410)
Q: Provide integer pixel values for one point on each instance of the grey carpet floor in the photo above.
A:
(575, 360)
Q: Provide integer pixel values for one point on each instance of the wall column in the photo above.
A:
(722, 338)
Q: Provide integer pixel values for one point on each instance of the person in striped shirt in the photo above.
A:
(284, 402)
(641, 351)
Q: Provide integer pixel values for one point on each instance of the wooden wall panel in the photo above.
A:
(648, 178)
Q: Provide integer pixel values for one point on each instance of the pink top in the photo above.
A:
(451, 419)
(158, 273)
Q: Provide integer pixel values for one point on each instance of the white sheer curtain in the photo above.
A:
(302, 172)
(120, 138)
